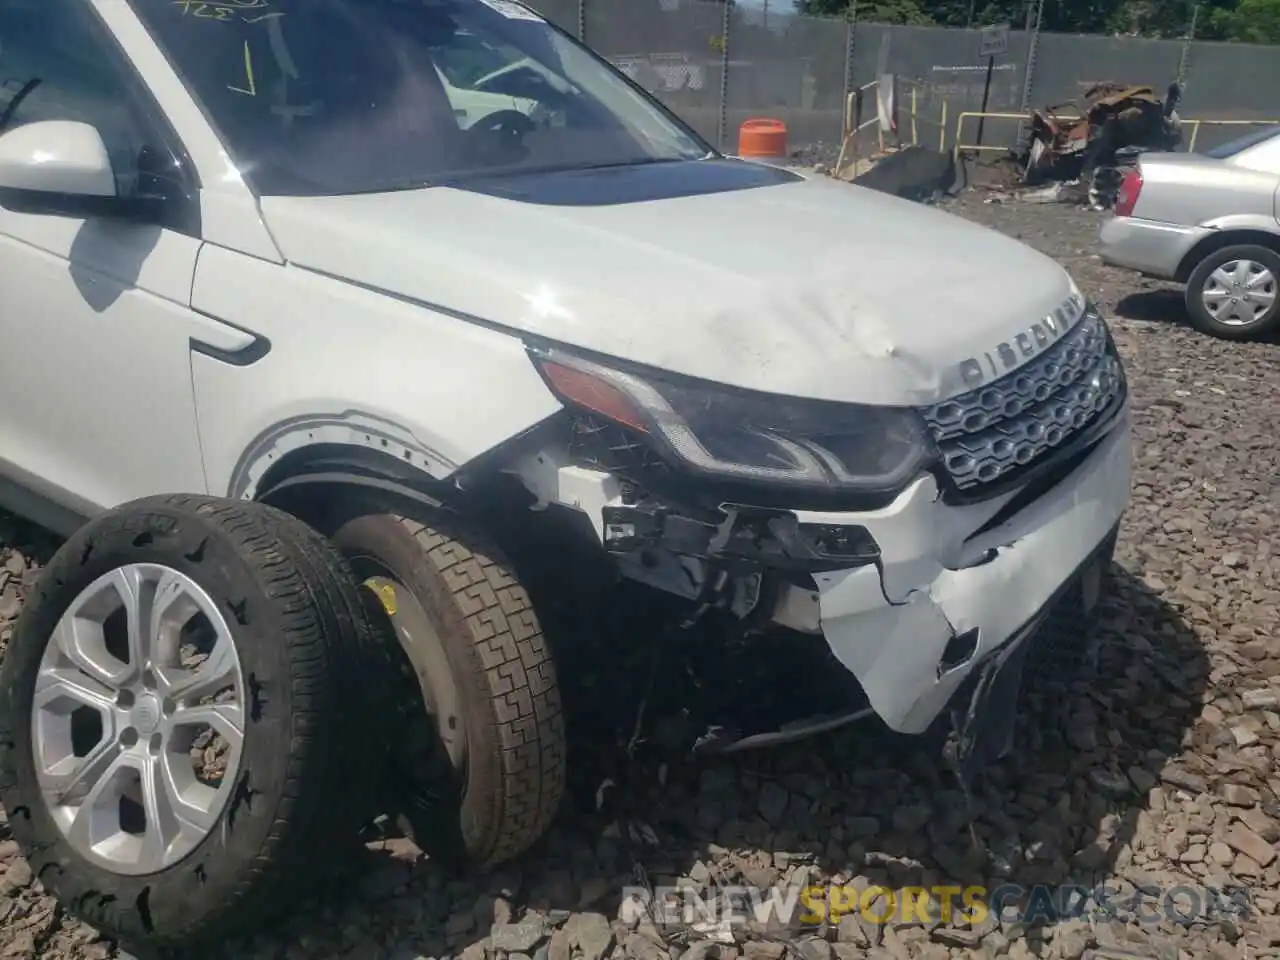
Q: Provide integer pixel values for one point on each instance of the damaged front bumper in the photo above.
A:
(942, 600)
(919, 599)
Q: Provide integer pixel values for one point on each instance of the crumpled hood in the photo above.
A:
(811, 288)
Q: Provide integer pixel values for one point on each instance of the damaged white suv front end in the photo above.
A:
(387, 275)
(928, 544)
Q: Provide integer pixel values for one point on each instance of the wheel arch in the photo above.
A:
(301, 477)
(1224, 238)
(295, 481)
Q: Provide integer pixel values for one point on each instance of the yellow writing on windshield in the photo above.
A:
(228, 11)
(252, 90)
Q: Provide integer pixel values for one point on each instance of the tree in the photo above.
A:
(1250, 21)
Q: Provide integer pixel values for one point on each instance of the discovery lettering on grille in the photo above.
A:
(1008, 423)
(1009, 354)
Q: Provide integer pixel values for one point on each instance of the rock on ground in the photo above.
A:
(1158, 774)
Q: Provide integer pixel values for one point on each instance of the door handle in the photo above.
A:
(227, 343)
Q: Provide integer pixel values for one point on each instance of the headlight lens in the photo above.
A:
(750, 436)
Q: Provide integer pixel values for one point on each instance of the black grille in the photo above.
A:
(987, 434)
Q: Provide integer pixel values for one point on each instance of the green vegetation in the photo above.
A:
(1251, 21)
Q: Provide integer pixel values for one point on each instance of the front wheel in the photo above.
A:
(1232, 293)
(186, 719)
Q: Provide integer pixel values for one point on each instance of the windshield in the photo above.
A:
(1240, 144)
(329, 97)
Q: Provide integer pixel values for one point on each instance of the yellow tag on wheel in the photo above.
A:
(387, 596)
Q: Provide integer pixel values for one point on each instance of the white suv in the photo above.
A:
(250, 252)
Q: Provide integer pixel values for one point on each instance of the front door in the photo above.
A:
(96, 400)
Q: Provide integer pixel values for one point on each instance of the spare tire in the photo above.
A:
(478, 772)
(187, 719)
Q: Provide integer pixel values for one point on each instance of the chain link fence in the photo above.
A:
(718, 65)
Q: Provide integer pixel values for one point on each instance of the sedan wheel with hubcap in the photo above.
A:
(1232, 292)
(1239, 292)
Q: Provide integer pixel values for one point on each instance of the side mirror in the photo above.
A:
(58, 167)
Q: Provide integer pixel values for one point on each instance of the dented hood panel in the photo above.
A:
(813, 288)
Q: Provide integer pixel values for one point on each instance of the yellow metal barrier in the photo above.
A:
(850, 121)
(917, 118)
(1194, 123)
(960, 145)
(853, 127)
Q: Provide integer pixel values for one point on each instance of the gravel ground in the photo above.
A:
(1161, 771)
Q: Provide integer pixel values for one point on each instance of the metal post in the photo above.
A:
(722, 128)
(1186, 46)
(1033, 47)
(850, 34)
(986, 97)
(915, 133)
(582, 21)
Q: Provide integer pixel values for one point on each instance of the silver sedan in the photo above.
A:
(1208, 221)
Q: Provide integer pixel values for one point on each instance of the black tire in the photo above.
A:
(309, 655)
(1204, 321)
(501, 799)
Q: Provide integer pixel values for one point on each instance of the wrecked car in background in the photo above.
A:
(1117, 123)
(368, 329)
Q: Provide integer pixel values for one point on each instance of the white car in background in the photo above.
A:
(481, 79)
(256, 269)
(1210, 221)
(471, 104)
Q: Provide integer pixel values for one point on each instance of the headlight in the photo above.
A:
(747, 436)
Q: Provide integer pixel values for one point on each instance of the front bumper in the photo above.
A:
(1147, 246)
(942, 600)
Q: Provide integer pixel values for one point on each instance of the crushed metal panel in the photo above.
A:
(1117, 117)
(893, 639)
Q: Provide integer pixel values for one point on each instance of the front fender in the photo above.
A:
(350, 366)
